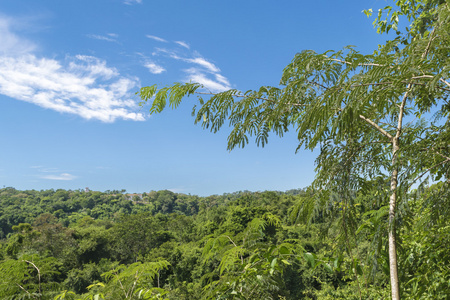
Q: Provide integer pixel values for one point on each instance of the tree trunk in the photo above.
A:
(395, 290)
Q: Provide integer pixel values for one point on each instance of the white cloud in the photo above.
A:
(130, 2)
(204, 71)
(81, 85)
(156, 38)
(93, 66)
(86, 86)
(110, 37)
(10, 43)
(222, 79)
(218, 84)
(62, 176)
(204, 63)
(53, 173)
(154, 68)
(196, 59)
(182, 44)
(177, 190)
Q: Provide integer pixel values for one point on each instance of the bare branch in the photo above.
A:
(422, 76)
(377, 127)
(23, 288)
(442, 80)
(242, 259)
(431, 76)
(39, 273)
(136, 278)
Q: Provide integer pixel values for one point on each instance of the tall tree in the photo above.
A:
(379, 115)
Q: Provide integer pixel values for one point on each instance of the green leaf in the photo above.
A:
(284, 250)
(273, 263)
(328, 267)
(310, 258)
(368, 12)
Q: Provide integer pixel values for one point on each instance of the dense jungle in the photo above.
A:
(65, 244)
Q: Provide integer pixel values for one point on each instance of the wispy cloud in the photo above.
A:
(156, 38)
(46, 170)
(204, 63)
(52, 173)
(183, 44)
(203, 71)
(154, 68)
(177, 189)
(110, 37)
(130, 2)
(81, 85)
(216, 84)
(10, 43)
(62, 176)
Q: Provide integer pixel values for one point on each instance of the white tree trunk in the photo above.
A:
(395, 289)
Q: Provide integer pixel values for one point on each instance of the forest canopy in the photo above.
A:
(63, 244)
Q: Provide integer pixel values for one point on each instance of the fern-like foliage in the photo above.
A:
(133, 281)
(249, 267)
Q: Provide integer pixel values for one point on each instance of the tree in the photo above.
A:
(249, 267)
(31, 277)
(354, 106)
(134, 281)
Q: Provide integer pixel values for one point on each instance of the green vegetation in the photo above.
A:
(359, 232)
(93, 245)
(381, 117)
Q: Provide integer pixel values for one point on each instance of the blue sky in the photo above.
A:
(69, 71)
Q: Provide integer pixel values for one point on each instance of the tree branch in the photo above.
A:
(442, 80)
(446, 157)
(378, 84)
(401, 112)
(377, 127)
(428, 170)
(317, 84)
(390, 82)
(136, 278)
(242, 259)
(243, 96)
(23, 288)
(429, 42)
(431, 76)
(359, 65)
(39, 274)
(121, 286)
